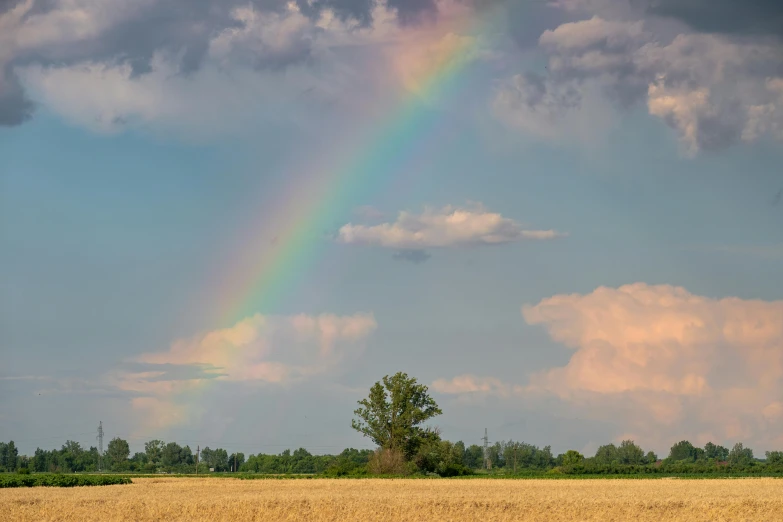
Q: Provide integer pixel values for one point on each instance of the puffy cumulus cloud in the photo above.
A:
(659, 355)
(713, 90)
(276, 350)
(442, 228)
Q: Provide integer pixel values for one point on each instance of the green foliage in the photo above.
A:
(8, 456)
(712, 451)
(683, 450)
(23, 471)
(630, 453)
(60, 481)
(571, 458)
(393, 413)
(606, 454)
(740, 455)
(118, 453)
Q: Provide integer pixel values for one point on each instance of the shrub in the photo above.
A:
(455, 470)
(60, 481)
(388, 462)
(23, 471)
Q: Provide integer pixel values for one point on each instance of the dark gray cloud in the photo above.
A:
(528, 19)
(133, 32)
(714, 91)
(742, 17)
(412, 11)
(359, 10)
(412, 256)
(15, 108)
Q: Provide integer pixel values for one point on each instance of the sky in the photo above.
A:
(222, 221)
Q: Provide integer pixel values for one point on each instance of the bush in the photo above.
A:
(388, 462)
(455, 470)
(59, 481)
(23, 471)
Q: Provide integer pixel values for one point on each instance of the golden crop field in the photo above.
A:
(402, 500)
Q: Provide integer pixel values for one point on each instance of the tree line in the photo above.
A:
(393, 416)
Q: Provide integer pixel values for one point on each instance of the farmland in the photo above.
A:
(403, 499)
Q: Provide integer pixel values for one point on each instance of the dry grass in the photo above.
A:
(401, 500)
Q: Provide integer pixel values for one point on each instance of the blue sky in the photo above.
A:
(133, 189)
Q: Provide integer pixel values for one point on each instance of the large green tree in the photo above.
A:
(394, 412)
(154, 450)
(118, 452)
(683, 450)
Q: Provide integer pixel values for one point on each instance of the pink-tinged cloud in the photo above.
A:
(692, 363)
(471, 384)
(271, 348)
(275, 350)
(659, 362)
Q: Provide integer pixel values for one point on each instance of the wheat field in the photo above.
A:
(402, 500)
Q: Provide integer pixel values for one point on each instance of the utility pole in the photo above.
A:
(100, 445)
(486, 449)
(198, 448)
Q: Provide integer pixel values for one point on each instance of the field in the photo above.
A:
(399, 499)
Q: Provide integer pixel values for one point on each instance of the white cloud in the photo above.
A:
(445, 227)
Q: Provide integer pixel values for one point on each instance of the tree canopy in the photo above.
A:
(393, 413)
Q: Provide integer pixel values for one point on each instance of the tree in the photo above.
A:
(474, 457)
(572, 458)
(154, 450)
(683, 450)
(740, 455)
(118, 452)
(712, 451)
(775, 459)
(651, 457)
(606, 454)
(393, 413)
(630, 453)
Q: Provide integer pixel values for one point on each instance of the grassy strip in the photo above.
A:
(60, 481)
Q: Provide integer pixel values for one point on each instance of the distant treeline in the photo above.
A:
(441, 457)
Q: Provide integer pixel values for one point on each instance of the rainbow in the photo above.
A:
(330, 193)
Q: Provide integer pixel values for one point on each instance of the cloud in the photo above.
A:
(269, 348)
(657, 361)
(273, 350)
(59, 38)
(713, 90)
(471, 384)
(446, 227)
(685, 362)
(748, 17)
